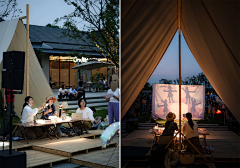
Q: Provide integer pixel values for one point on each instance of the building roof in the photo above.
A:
(51, 40)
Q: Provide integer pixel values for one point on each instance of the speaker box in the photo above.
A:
(13, 70)
(16, 159)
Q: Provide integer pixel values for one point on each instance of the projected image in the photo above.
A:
(165, 99)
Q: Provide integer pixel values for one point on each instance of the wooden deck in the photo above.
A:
(226, 144)
(18, 145)
(105, 158)
(46, 152)
(70, 147)
(37, 158)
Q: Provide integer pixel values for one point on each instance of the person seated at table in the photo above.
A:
(170, 125)
(97, 120)
(190, 129)
(104, 83)
(28, 116)
(73, 94)
(81, 92)
(62, 92)
(87, 115)
(51, 111)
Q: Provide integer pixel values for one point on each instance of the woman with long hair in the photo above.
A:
(28, 113)
(190, 129)
(28, 116)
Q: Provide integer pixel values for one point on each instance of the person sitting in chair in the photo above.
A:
(170, 125)
(28, 117)
(73, 94)
(51, 111)
(87, 115)
(190, 129)
(62, 92)
(97, 120)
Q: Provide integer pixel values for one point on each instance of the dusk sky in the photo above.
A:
(168, 66)
(43, 12)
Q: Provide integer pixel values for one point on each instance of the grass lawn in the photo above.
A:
(102, 113)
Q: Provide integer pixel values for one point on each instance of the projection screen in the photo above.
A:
(166, 99)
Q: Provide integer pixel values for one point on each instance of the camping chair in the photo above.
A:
(51, 131)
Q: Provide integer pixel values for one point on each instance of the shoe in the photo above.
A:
(63, 135)
(88, 132)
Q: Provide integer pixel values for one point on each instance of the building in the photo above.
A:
(54, 50)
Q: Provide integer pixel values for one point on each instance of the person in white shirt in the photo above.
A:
(73, 94)
(190, 129)
(28, 113)
(62, 92)
(28, 116)
(88, 118)
(113, 105)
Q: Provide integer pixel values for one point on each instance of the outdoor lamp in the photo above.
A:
(218, 112)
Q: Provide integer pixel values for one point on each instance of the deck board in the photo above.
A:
(72, 146)
(107, 157)
(37, 158)
(18, 145)
(46, 151)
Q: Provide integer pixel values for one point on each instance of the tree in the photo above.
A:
(8, 7)
(52, 26)
(147, 86)
(101, 32)
(165, 81)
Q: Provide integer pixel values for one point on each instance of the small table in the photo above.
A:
(158, 132)
(46, 126)
(89, 86)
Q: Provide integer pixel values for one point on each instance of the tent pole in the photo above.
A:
(27, 53)
(179, 41)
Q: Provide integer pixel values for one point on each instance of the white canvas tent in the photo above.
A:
(13, 37)
(211, 30)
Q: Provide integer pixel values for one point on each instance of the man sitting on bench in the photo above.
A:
(62, 92)
(73, 94)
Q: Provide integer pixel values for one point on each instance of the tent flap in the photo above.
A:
(211, 30)
(39, 88)
(144, 42)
